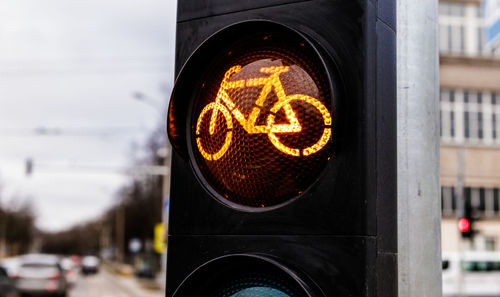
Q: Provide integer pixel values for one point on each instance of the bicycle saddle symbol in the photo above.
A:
(227, 107)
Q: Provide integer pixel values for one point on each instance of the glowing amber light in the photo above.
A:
(270, 83)
(215, 107)
(263, 122)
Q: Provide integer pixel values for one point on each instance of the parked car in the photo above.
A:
(11, 265)
(90, 264)
(76, 259)
(70, 270)
(7, 288)
(41, 274)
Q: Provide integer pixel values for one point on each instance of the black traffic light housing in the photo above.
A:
(466, 223)
(338, 238)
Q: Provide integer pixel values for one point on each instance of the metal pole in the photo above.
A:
(165, 202)
(120, 233)
(419, 206)
(168, 158)
(3, 232)
(459, 194)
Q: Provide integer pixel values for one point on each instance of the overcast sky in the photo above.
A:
(71, 67)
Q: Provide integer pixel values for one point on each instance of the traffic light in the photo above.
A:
(28, 167)
(465, 223)
(283, 123)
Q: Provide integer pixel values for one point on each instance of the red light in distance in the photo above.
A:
(463, 225)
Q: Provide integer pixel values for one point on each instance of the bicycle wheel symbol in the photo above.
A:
(325, 137)
(215, 108)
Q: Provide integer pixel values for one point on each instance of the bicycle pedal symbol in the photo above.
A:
(228, 109)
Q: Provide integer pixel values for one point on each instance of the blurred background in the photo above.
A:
(469, 33)
(84, 87)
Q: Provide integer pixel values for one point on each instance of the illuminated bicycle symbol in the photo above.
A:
(227, 107)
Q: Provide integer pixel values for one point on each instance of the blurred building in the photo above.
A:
(470, 124)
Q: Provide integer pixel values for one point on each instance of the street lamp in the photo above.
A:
(163, 152)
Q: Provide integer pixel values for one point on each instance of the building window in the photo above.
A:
(490, 245)
(447, 201)
(489, 205)
(451, 9)
(462, 39)
(494, 117)
(448, 115)
(480, 39)
(485, 202)
(473, 118)
(480, 125)
(468, 197)
(477, 120)
(496, 201)
(443, 38)
(493, 126)
(441, 123)
(482, 200)
(452, 124)
(466, 115)
(466, 124)
(462, 29)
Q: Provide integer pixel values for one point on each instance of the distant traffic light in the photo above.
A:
(28, 167)
(283, 123)
(465, 224)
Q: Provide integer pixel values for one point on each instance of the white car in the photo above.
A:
(90, 264)
(41, 274)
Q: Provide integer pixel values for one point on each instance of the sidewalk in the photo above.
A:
(138, 287)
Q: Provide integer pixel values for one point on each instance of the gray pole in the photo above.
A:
(459, 194)
(419, 210)
(165, 201)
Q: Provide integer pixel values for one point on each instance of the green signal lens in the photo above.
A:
(257, 286)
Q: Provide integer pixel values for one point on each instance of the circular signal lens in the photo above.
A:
(262, 121)
(257, 285)
(463, 225)
(245, 276)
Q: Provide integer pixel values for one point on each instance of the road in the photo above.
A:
(106, 284)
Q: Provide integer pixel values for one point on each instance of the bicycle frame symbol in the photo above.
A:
(227, 107)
